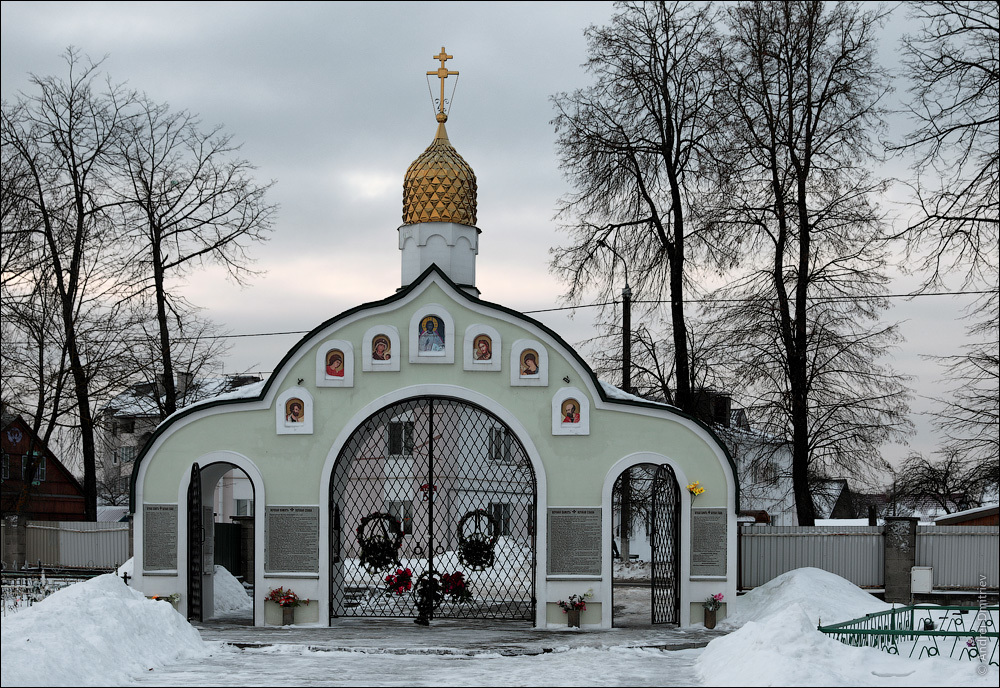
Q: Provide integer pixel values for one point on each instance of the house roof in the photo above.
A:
(9, 420)
(137, 402)
(988, 510)
(112, 514)
(826, 494)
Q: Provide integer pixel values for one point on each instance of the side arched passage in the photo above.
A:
(205, 537)
(645, 521)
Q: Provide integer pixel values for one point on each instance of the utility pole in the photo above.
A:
(626, 476)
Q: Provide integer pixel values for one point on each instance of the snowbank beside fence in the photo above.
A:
(821, 595)
(776, 642)
(95, 633)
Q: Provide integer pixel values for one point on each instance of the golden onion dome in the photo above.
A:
(439, 186)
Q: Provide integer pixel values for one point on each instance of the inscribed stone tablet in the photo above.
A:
(708, 542)
(159, 537)
(292, 539)
(574, 542)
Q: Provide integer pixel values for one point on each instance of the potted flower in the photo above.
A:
(712, 605)
(287, 600)
(573, 605)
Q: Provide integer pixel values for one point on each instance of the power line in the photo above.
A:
(818, 299)
(608, 303)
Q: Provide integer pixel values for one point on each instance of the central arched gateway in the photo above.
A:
(433, 483)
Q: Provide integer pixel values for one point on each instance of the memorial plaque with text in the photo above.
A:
(574, 542)
(292, 539)
(159, 537)
(708, 542)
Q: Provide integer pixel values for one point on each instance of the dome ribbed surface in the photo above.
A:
(439, 186)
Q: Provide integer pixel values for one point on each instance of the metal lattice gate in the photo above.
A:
(196, 538)
(665, 545)
(433, 485)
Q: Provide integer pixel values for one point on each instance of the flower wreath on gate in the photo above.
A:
(379, 549)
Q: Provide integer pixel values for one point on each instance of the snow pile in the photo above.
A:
(822, 595)
(230, 595)
(778, 644)
(128, 567)
(786, 650)
(96, 633)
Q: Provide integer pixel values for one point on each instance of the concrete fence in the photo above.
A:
(962, 557)
(66, 544)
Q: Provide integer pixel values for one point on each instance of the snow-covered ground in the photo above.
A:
(633, 570)
(101, 632)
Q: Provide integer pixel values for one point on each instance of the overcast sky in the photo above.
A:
(331, 101)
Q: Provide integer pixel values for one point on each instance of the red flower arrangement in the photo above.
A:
(284, 598)
(399, 582)
(575, 602)
(453, 586)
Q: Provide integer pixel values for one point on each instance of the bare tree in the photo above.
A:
(106, 198)
(187, 201)
(953, 66)
(64, 138)
(968, 419)
(804, 88)
(632, 145)
(949, 482)
(653, 371)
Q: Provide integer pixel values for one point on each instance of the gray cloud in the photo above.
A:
(330, 100)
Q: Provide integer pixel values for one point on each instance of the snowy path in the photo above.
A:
(297, 665)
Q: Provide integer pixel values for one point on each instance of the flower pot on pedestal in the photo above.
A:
(573, 618)
(710, 618)
(287, 616)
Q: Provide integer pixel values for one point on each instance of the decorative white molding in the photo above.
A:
(323, 379)
(495, 362)
(451, 246)
(283, 424)
(580, 423)
(539, 380)
(441, 350)
(368, 364)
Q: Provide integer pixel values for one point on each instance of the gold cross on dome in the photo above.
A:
(442, 73)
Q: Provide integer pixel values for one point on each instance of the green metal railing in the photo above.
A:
(926, 630)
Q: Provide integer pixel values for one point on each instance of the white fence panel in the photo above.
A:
(77, 543)
(963, 557)
(852, 552)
